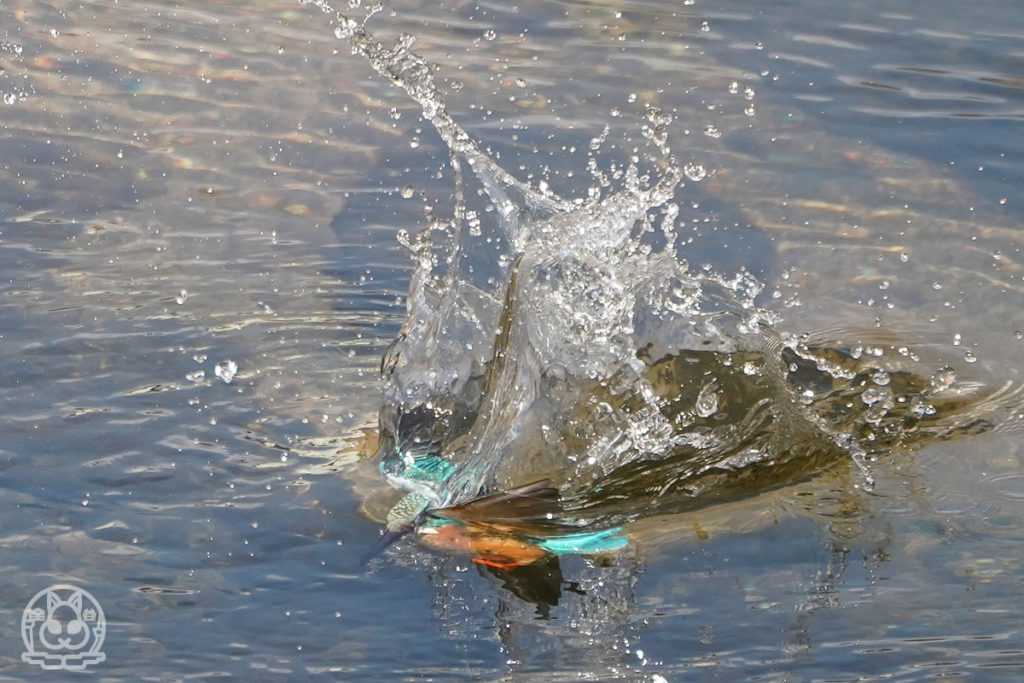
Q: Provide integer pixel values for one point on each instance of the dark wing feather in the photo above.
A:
(536, 502)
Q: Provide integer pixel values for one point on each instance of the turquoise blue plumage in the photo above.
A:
(425, 476)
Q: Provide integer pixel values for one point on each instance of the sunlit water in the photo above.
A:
(201, 272)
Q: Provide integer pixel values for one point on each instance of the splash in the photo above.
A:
(12, 89)
(568, 342)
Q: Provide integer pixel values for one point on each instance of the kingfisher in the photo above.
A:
(512, 528)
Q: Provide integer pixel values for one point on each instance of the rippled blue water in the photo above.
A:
(186, 184)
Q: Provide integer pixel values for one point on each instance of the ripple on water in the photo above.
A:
(1009, 485)
(974, 488)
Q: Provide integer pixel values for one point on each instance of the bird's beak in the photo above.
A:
(389, 538)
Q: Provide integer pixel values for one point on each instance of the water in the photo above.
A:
(218, 189)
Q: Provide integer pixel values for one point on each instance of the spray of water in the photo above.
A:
(579, 348)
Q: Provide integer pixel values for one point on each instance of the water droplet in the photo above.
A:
(197, 376)
(10, 98)
(705, 26)
(734, 88)
(881, 378)
(199, 357)
(181, 298)
(750, 110)
(920, 407)
(226, 370)
(970, 357)
(695, 172)
(748, 93)
(942, 379)
(712, 131)
(405, 41)
(707, 400)
(490, 34)
(473, 223)
(904, 257)
(595, 143)
(346, 29)
(407, 192)
(881, 396)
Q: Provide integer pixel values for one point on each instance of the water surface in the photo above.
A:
(188, 184)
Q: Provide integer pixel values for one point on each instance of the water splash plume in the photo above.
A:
(566, 346)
